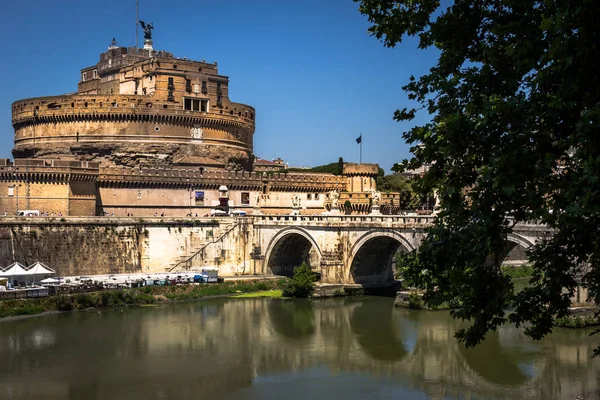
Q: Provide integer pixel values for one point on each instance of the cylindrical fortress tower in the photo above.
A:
(140, 107)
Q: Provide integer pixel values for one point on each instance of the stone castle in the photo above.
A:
(151, 134)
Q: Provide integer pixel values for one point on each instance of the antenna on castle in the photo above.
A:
(137, 23)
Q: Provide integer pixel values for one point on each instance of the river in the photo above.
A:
(350, 348)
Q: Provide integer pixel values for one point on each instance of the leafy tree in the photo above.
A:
(336, 168)
(409, 198)
(514, 130)
(302, 284)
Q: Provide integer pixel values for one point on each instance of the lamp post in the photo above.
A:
(34, 124)
(191, 191)
(17, 187)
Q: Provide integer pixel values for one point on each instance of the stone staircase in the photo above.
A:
(185, 262)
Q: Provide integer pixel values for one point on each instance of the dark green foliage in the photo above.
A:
(64, 303)
(520, 271)
(415, 301)
(333, 168)
(9, 308)
(577, 321)
(302, 284)
(514, 101)
(409, 198)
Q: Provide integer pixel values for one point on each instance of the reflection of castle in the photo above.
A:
(145, 132)
(218, 348)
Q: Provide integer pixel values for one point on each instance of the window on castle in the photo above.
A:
(170, 81)
(245, 198)
(84, 76)
(316, 196)
(195, 104)
(11, 190)
(95, 73)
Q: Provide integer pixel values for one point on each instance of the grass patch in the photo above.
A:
(517, 271)
(275, 293)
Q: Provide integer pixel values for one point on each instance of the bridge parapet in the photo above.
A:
(345, 220)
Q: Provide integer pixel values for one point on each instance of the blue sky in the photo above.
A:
(314, 75)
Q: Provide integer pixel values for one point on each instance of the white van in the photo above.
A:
(29, 213)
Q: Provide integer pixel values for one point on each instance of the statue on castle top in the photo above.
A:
(147, 27)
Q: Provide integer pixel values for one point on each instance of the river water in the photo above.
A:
(352, 348)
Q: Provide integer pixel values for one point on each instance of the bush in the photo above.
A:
(415, 301)
(85, 300)
(302, 284)
(64, 303)
(580, 321)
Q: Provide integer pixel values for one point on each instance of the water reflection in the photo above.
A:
(292, 319)
(374, 330)
(508, 367)
(261, 348)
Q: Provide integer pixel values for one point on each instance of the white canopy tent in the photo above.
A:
(18, 274)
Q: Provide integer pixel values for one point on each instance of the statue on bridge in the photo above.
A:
(376, 197)
(335, 199)
(296, 203)
(375, 201)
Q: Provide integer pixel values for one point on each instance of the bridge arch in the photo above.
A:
(516, 246)
(289, 248)
(371, 256)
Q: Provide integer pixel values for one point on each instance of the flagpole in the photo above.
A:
(137, 24)
(361, 148)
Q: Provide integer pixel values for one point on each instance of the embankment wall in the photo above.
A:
(116, 246)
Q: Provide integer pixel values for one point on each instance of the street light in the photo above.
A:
(191, 191)
(17, 187)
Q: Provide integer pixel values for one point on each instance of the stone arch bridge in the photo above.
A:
(350, 249)
(344, 249)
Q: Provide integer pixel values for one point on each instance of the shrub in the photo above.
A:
(64, 303)
(302, 284)
(86, 300)
(415, 301)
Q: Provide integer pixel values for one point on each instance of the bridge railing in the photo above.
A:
(362, 219)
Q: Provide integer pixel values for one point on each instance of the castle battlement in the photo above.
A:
(187, 177)
(73, 108)
(32, 170)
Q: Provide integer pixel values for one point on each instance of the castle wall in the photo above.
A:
(173, 202)
(129, 129)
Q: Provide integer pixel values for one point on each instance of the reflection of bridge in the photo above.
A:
(220, 348)
(351, 249)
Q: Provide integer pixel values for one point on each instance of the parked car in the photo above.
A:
(238, 213)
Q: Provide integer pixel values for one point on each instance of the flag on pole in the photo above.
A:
(359, 139)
